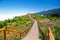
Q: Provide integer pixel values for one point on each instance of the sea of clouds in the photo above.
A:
(9, 16)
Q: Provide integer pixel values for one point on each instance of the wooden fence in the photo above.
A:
(49, 33)
(5, 32)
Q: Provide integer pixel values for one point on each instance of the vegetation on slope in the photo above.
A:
(16, 27)
(17, 22)
(48, 21)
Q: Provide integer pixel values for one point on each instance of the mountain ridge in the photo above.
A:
(52, 12)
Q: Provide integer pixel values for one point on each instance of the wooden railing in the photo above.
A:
(49, 33)
(20, 34)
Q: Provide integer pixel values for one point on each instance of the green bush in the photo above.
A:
(16, 38)
(56, 31)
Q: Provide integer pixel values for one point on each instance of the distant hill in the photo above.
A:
(52, 12)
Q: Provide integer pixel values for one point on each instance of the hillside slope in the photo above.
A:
(52, 12)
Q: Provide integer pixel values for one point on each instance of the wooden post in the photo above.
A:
(4, 31)
(51, 35)
(48, 34)
(20, 35)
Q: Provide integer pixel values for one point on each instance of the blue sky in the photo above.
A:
(11, 8)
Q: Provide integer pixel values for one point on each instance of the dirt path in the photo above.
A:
(33, 34)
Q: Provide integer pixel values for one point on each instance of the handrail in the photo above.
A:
(21, 33)
(50, 34)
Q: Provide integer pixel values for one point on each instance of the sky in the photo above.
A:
(12, 8)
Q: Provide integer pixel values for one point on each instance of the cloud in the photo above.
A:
(3, 17)
(10, 16)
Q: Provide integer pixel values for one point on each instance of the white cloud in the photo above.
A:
(3, 17)
(10, 16)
